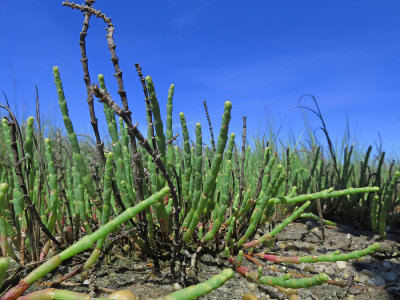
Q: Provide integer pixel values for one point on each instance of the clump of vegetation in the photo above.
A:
(61, 196)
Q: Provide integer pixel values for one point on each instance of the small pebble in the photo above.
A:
(366, 259)
(309, 268)
(249, 297)
(367, 272)
(85, 282)
(354, 291)
(177, 286)
(351, 297)
(309, 223)
(294, 297)
(364, 278)
(341, 265)
(390, 276)
(315, 229)
(378, 280)
(252, 286)
(347, 274)
(393, 260)
(191, 272)
(386, 265)
(122, 295)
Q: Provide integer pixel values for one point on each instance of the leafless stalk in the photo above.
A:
(241, 178)
(150, 124)
(172, 139)
(87, 80)
(88, 9)
(209, 125)
(39, 146)
(287, 170)
(260, 174)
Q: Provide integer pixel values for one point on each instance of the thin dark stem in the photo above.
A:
(260, 174)
(39, 147)
(88, 9)
(150, 124)
(209, 125)
(172, 139)
(87, 80)
(328, 139)
(241, 179)
(287, 169)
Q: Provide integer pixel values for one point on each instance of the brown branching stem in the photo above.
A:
(137, 166)
(172, 139)
(88, 11)
(87, 80)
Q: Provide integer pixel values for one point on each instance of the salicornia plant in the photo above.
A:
(68, 195)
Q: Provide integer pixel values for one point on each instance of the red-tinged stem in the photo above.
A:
(245, 271)
(252, 259)
(280, 259)
(15, 292)
(42, 270)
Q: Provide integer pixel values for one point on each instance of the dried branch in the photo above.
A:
(88, 9)
(172, 139)
(241, 178)
(209, 125)
(87, 80)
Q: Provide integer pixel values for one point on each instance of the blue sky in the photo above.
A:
(261, 56)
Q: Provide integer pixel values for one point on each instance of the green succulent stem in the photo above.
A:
(212, 174)
(83, 244)
(336, 256)
(196, 291)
